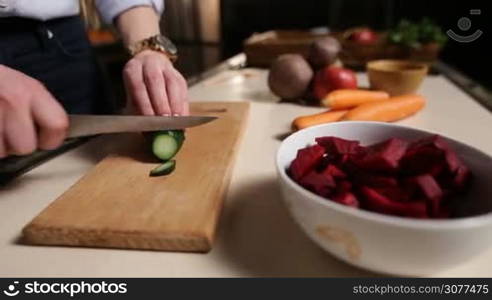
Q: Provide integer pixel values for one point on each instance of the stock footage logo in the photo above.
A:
(12, 290)
(63, 287)
(464, 24)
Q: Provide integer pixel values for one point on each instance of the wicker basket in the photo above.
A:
(262, 48)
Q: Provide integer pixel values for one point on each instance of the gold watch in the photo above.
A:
(158, 43)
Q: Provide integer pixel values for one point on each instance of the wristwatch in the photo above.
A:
(158, 43)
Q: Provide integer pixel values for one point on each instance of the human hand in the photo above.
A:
(154, 86)
(30, 118)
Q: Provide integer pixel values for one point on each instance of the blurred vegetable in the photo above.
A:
(390, 110)
(316, 119)
(333, 78)
(324, 52)
(290, 76)
(364, 36)
(414, 35)
(345, 98)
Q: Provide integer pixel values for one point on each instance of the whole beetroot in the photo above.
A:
(324, 52)
(290, 76)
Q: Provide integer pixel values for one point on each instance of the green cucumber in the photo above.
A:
(164, 169)
(166, 144)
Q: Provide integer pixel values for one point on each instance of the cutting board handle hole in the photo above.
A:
(214, 110)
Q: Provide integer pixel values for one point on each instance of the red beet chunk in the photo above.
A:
(346, 198)
(395, 193)
(319, 183)
(306, 161)
(433, 141)
(379, 203)
(462, 178)
(430, 189)
(443, 213)
(384, 156)
(426, 156)
(424, 159)
(428, 185)
(376, 180)
(338, 146)
(344, 186)
(391, 177)
(335, 172)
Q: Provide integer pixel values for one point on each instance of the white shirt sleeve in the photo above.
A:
(110, 9)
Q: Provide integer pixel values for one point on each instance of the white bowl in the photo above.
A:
(389, 244)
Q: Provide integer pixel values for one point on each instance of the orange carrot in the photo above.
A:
(316, 119)
(390, 110)
(345, 98)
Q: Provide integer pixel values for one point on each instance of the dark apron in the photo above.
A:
(57, 53)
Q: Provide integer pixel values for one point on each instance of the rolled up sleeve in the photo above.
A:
(110, 9)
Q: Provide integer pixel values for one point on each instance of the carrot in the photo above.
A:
(316, 119)
(390, 110)
(345, 98)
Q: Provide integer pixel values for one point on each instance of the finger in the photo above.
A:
(156, 88)
(184, 89)
(20, 135)
(52, 122)
(174, 94)
(135, 86)
(3, 148)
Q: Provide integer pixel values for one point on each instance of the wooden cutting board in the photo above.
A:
(117, 204)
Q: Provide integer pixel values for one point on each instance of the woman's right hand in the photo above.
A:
(30, 117)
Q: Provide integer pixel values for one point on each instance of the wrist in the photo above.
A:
(156, 43)
(137, 24)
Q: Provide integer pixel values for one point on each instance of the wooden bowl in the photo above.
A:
(397, 77)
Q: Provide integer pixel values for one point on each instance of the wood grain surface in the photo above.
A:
(117, 204)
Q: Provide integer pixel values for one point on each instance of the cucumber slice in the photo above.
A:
(178, 134)
(164, 169)
(166, 144)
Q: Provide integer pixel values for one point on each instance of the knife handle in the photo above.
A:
(14, 166)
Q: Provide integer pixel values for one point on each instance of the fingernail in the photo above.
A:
(176, 115)
(166, 115)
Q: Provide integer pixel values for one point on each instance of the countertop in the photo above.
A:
(256, 235)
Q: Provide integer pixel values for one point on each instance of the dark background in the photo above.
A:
(241, 18)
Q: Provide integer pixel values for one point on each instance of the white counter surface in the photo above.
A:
(256, 235)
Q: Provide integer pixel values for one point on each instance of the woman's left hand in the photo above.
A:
(154, 86)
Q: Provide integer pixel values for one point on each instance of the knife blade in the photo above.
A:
(85, 125)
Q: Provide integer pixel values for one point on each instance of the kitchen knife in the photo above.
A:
(85, 125)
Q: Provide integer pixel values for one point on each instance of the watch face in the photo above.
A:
(167, 44)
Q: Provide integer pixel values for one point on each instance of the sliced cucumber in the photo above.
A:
(166, 144)
(164, 169)
(177, 134)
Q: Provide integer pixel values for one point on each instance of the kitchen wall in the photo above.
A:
(192, 20)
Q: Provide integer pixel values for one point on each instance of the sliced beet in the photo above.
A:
(379, 203)
(424, 159)
(433, 140)
(338, 146)
(443, 213)
(375, 180)
(426, 155)
(306, 161)
(335, 171)
(319, 183)
(452, 160)
(384, 156)
(344, 186)
(428, 185)
(346, 198)
(395, 193)
(417, 180)
(462, 178)
(430, 189)
(436, 168)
